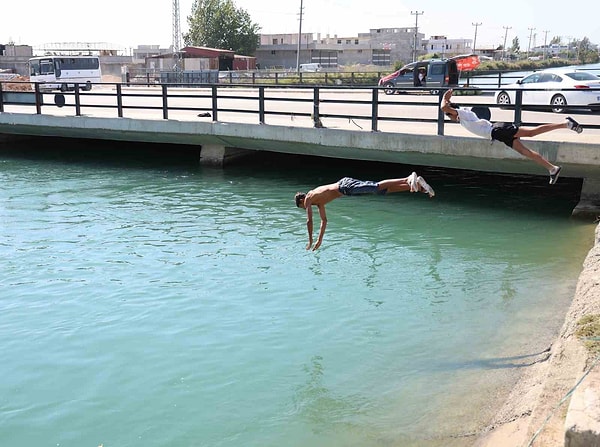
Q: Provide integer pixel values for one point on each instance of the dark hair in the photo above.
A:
(453, 105)
(299, 197)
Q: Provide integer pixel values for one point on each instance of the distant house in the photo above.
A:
(202, 58)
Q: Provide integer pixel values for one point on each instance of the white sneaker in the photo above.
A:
(425, 186)
(412, 182)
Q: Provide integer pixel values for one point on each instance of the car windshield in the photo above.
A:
(582, 76)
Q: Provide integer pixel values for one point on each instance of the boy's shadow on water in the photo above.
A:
(516, 361)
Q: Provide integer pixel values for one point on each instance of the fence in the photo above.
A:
(213, 100)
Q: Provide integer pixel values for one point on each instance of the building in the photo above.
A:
(13, 58)
(380, 46)
(201, 58)
(142, 52)
(445, 47)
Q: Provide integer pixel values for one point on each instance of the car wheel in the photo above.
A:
(558, 103)
(503, 99)
(389, 88)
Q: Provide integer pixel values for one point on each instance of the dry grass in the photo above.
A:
(588, 330)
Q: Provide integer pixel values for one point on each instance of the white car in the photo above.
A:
(584, 93)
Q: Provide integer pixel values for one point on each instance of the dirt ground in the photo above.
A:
(534, 413)
(9, 86)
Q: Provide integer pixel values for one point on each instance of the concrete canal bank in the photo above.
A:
(557, 400)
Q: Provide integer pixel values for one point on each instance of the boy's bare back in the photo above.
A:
(323, 194)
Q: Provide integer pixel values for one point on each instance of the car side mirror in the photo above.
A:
(519, 82)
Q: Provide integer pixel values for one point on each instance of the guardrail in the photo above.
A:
(210, 98)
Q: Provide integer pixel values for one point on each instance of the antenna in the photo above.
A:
(176, 43)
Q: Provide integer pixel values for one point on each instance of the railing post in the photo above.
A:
(119, 101)
(315, 115)
(38, 99)
(440, 123)
(165, 104)
(518, 107)
(261, 105)
(1, 99)
(499, 79)
(374, 108)
(77, 101)
(214, 103)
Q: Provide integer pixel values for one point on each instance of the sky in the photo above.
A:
(128, 23)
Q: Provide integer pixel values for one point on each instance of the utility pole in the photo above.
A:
(570, 38)
(545, 43)
(176, 42)
(529, 44)
(416, 14)
(299, 40)
(476, 25)
(506, 28)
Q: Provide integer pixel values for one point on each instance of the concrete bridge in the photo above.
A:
(415, 143)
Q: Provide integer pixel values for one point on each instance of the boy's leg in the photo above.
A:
(532, 155)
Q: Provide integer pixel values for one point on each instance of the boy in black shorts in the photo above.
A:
(509, 134)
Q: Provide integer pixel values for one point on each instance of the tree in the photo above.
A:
(516, 46)
(586, 53)
(219, 24)
(556, 40)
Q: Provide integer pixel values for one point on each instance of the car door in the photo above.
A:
(526, 85)
(435, 74)
(405, 77)
(547, 83)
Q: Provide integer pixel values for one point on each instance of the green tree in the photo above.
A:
(219, 24)
(516, 46)
(556, 40)
(586, 53)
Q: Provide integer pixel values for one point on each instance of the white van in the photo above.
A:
(310, 67)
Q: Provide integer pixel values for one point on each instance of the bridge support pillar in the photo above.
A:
(589, 201)
(218, 155)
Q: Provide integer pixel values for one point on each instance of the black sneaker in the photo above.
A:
(554, 177)
(573, 125)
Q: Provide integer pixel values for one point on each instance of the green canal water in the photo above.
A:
(151, 303)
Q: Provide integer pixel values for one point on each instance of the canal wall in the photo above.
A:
(556, 403)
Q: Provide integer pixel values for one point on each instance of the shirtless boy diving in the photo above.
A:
(322, 195)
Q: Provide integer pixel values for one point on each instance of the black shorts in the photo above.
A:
(504, 132)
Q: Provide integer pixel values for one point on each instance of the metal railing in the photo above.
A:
(210, 100)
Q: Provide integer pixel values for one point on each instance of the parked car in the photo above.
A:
(551, 84)
(311, 67)
(429, 73)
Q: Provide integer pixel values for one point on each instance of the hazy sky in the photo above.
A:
(129, 23)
